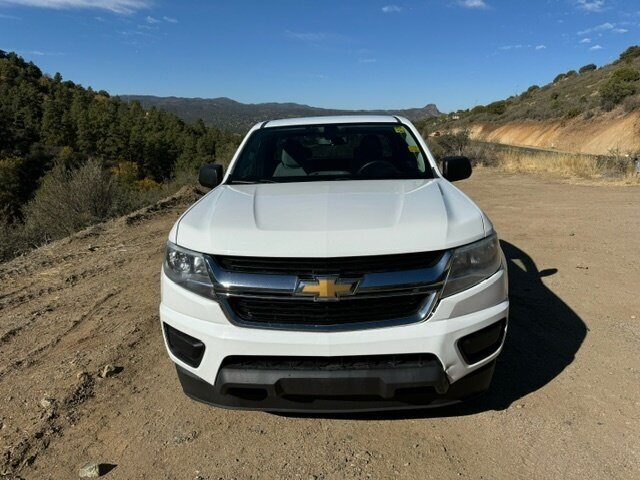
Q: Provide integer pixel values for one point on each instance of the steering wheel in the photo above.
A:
(382, 166)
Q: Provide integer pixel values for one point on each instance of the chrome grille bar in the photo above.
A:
(424, 282)
(405, 282)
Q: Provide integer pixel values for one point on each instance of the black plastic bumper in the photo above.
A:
(325, 387)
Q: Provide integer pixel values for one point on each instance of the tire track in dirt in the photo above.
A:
(53, 339)
(33, 357)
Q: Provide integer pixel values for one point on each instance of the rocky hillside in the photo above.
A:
(589, 110)
(608, 134)
(227, 113)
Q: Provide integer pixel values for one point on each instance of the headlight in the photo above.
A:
(472, 264)
(188, 269)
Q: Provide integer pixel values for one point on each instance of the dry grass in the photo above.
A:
(619, 170)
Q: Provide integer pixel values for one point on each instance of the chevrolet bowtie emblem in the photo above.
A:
(327, 288)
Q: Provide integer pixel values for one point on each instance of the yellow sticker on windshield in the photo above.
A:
(399, 129)
(414, 148)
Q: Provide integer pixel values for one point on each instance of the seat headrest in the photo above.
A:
(294, 154)
(288, 160)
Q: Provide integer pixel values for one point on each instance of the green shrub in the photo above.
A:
(626, 74)
(69, 200)
(450, 144)
(631, 104)
(630, 53)
(529, 91)
(619, 86)
(482, 153)
(497, 108)
(573, 112)
(614, 91)
(9, 185)
(588, 68)
(436, 149)
(12, 238)
(571, 73)
(559, 77)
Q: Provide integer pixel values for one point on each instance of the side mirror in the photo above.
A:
(456, 168)
(210, 175)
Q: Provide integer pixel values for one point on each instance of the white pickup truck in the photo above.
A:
(334, 267)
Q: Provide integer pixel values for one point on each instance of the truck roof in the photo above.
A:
(292, 122)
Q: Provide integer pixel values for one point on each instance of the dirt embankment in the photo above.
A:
(602, 136)
(564, 401)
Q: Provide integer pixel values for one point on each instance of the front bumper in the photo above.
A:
(295, 391)
(448, 379)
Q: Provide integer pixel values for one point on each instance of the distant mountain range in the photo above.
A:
(227, 113)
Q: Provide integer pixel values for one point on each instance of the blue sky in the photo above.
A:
(329, 53)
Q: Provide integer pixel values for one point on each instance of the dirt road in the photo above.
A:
(565, 401)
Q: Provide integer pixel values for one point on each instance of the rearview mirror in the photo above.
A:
(210, 175)
(456, 168)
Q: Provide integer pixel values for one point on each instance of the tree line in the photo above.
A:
(44, 120)
(50, 127)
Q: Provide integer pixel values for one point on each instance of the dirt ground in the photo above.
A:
(564, 403)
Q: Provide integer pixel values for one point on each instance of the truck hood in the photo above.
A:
(330, 219)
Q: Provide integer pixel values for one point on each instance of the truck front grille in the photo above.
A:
(325, 314)
(347, 266)
(388, 290)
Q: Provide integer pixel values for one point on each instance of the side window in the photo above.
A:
(247, 163)
(413, 148)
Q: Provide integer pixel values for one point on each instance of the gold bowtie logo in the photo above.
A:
(327, 288)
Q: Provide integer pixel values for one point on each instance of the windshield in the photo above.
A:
(330, 152)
